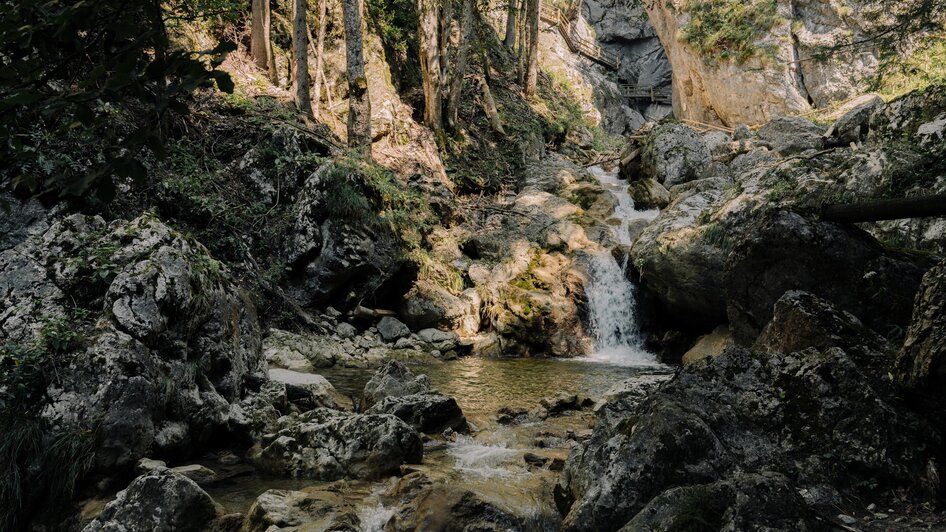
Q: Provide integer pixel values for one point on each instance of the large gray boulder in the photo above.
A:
(173, 339)
(391, 329)
(430, 413)
(439, 507)
(674, 154)
(812, 417)
(791, 134)
(324, 444)
(393, 379)
(159, 501)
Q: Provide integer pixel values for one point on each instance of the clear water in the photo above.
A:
(611, 298)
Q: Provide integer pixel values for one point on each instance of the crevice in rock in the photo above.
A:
(796, 58)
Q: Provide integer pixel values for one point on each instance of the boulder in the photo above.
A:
(391, 329)
(810, 416)
(674, 154)
(394, 379)
(300, 352)
(310, 509)
(318, 388)
(921, 363)
(428, 412)
(648, 194)
(784, 251)
(854, 125)
(440, 340)
(160, 501)
(791, 134)
(200, 474)
(325, 444)
(427, 305)
(445, 508)
(345, 330)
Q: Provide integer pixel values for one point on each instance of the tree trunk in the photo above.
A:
(446, 32)
(300, 53)
(261, 47)
(319, 50)
(428, 38)
(359, 106)
(490, 106)
(459, 70)
(511, 29)
(532, 57)
(889, 209)
(522, 28)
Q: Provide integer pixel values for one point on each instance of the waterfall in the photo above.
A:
(612, 304)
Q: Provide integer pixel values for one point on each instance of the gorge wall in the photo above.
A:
(724, 74)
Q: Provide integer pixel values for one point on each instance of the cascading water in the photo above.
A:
(611, 298)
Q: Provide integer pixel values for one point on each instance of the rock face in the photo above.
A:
(792, 134)
(312, 510)
(792, 421)
(921, 363)
(324, 444)
(771, 82)
(160, 501)
(173, 337)
(674, 154)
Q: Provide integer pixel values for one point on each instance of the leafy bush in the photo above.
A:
(728, 29)
(40, 465)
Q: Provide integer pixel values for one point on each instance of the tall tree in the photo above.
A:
(428, 37)
(531, 51)
(359, 106)
(300, 55)
(459, 69)
(510, 40)
(319, 48)
(261, 45)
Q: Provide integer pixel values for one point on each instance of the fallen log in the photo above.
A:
(890, 209)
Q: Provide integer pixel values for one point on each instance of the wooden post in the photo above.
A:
(892, 209)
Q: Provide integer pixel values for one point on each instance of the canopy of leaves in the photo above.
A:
(69, 69)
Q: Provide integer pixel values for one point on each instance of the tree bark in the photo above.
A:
(532, 51)
(261, 46)
(359, 106)
(511, 29)
(319, 50)
(300, 53)
(446, 32)
(490, 106)
(459, 70)
(522, 28)
(428, 38)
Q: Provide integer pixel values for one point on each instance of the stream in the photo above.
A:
(491, 461)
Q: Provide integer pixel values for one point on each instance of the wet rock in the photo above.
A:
(391, 329)
(921, 363)
(811, 416)
(394, 379)
(443, 508)
(674, 154)
(709, 345)
(512, 416)
(430, 413)
(324, 444)
(299, 352)
(160, 501)
(564, 402)
(789, 134)
(312, 510)
(534, 460)
(200, 474)
(648, 194)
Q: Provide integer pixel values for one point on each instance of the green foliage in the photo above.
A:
(924, 67)
(40, 465)
(727, 30)
(395, 23)
(68, 66)
(359, 190)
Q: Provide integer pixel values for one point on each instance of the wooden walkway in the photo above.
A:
(580, 45)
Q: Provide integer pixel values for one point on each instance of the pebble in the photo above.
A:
(846, 519)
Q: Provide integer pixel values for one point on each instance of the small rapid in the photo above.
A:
(612, 302)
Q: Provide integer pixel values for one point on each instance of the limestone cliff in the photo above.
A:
(771, 70)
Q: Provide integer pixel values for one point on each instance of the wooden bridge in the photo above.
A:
(589, 49)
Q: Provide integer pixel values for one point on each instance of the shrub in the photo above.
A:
(728, 29)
